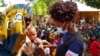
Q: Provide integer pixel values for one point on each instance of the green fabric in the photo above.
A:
(98, 34)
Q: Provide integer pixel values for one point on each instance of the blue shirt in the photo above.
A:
(75, 46)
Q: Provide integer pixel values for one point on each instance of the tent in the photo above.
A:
(85, 11)
(84, 7)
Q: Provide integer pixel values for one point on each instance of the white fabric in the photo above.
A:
(70, 53)
(18, 18)
(27, 39)
(47, 51)
(42, 34)
(59, 30)
(1, 42)
(30, 45)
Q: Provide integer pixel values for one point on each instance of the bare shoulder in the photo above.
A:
(39, 40)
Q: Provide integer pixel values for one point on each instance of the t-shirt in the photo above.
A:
(72, 51)
(94, 50)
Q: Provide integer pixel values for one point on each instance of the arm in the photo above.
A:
(40, 51)
(48, 44)
(26, 49)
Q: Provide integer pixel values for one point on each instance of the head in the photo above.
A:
(98, 39)
(31, 33)
(63, 13)
(27, 21)
(93, 37)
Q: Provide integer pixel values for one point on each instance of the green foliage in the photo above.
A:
(93, 3)
(41, 7)
(3, 4)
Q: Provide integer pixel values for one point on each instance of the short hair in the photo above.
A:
(63, 11)
(30, 28)
(27, 18)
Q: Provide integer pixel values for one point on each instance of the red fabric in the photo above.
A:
(89, 42)
(94, 48)
(57, 39)
(83, 29)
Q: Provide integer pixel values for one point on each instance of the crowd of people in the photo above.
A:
(63, 36)
(60, 37)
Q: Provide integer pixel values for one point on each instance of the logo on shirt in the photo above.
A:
(68, 54)
(71, 53)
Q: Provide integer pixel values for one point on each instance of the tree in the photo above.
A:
(82, 1)
(2, 3)
(41, 7)
(93, 3)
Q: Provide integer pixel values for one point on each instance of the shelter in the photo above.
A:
(85, 11)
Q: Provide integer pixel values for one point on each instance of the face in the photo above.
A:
(28, 21)
(57, 23)
(93, 37)
(32, 34)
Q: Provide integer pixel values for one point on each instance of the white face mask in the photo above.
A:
(60, 30)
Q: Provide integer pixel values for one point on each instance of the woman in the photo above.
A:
(64, 15)
(95, 47)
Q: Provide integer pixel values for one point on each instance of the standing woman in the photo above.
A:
(64, 15)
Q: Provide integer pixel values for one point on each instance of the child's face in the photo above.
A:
(32, 34)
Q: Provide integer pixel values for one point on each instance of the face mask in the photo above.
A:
(64, 31)
(60, 30)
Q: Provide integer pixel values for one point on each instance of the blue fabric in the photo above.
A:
(75, 46)
(8, 44)
(12, 40)
(26, 7)
(63, 39)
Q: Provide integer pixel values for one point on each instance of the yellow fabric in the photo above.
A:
(18, 27)
(3, 29)
(52, 36)
(54, 52)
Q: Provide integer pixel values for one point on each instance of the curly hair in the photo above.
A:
(63, 11)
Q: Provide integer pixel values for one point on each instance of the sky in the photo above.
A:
(11, 2)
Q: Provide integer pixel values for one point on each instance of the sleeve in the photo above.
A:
(71, 53)
(75, 48)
